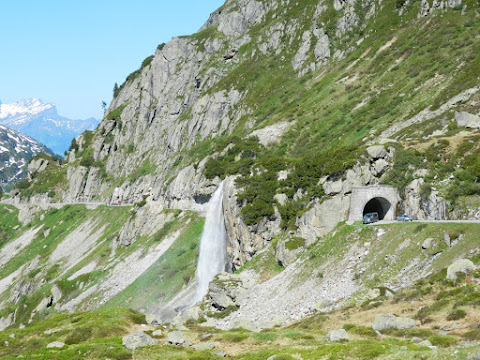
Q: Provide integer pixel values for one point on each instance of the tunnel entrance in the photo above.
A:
(379, 205)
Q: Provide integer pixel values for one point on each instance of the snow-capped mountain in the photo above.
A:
(42, 122)
(16, 150)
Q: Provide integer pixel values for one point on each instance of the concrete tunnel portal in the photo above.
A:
(379, 205)
(381, 199)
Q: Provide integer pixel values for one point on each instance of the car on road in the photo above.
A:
(404, 218)
(369, 218)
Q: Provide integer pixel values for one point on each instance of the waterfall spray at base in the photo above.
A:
(212, 258)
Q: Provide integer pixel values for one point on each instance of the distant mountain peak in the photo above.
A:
(26, 106)
(42, 122)
(16, 149)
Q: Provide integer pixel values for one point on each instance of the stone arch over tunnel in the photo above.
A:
(379, 205)
(382, 199)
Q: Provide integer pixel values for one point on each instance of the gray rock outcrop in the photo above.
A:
(385, 322)
(285, 254)
(204, 346)
(175, 338)
(427, 244)
(157, 332)
(322, 218)
(338, 335)
(463, 265)
(137, 339)
(465, 119)
(244, 241)
(229, 289)
(37, 166)
(55, 345)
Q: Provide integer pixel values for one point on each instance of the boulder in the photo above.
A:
(56, 344)
(462, 265)
(176, 338)
(424, 343)
(227, 290)
(337, 335)
(380, 166)
(157, 332)
(239, 323)
(465, 119)
(377, 152)
(322, 304)
(137, 339)
(384, 322)
(204, 346)
(427, 244)
(405, 323)
(152, 319)
(333, 187)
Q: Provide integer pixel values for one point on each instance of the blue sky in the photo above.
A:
(71, 52)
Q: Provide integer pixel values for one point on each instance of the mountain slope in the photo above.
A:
(291, 96)
(42, 122)
(16, 150)
(296, 106)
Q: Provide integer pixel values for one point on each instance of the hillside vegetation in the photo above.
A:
(445, 311)
(293, 105)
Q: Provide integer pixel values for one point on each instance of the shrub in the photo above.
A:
(78, 336)
(87, 161)
(235, 338)
(295, 243)
(472, 335)
(456, 314)
(405, 163)
(116, 114)
(147, 61)
(73, 145)
(443, 340)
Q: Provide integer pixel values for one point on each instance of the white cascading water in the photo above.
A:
(212, 258)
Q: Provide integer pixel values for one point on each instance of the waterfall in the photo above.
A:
(212, 258)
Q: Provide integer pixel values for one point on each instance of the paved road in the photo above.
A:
(91, 205)
(384, 222)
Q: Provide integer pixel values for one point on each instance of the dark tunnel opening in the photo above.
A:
(378, 205)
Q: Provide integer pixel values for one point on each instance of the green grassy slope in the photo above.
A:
(34, 271)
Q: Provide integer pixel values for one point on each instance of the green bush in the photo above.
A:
(147, 61)
(472, 335)
(78, 336)
(404, 165)
(87, 161)
(456, 314)
(116, 114)
(443, 340)
(295, 243)
(235, 337)
(73, 145)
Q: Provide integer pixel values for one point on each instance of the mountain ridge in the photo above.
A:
(16, 150)
(42, 122)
